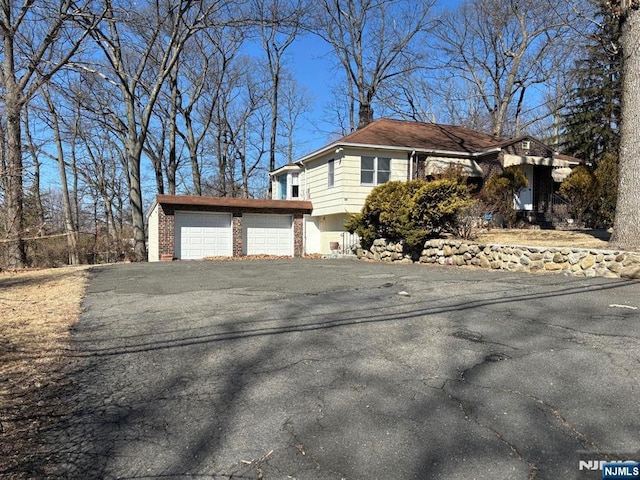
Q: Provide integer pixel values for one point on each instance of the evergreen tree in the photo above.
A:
(592, 119)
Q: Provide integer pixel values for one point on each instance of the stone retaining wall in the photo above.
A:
(571, 261)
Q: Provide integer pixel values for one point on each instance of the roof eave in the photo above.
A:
(230, 203)
(371, 146)
(285, 168)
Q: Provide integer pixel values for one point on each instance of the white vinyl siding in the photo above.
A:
(154, 235)
(354, 193)
(314, 183)
(348, 194)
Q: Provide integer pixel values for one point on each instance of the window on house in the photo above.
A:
(295, 185)
(331, 172)
(375, 170)
(282, 187)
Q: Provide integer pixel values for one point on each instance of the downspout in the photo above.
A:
(304, 171)
(305, 196)
(413, 154)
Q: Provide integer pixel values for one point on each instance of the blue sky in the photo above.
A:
(314, 67)
(312, 64)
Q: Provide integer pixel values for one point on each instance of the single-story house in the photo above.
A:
(191, 227)
(338, 177)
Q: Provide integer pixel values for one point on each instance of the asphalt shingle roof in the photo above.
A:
(427, 136)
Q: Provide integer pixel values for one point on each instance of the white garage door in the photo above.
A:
(199, 235)
(267, 234)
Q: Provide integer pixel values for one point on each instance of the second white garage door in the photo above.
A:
(199, 235)
(267, 234)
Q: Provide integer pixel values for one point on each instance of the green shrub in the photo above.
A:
(436, 206)
(580, 188)
(385, 213)
(411, 211)
(499, 190)
(607, 176)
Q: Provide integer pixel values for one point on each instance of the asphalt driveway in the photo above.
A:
(332, 369)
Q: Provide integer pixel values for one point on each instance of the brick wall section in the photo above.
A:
(298, 235)
(167, 224)
(166, 239)
(236, 226)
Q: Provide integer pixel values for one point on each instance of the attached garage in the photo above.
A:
(202, 234)
(183, 227)
(267, 234)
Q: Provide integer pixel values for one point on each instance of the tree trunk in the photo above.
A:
(195, 171)
(135, 198)
(36, 172)
(193, 154)
(69, 224)
(627, 227)
(16, 255)
(156, 161)
(274, 122)
(173, 155)
(111, 232)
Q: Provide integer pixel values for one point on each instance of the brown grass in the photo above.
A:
(547, 238)
(36, 310)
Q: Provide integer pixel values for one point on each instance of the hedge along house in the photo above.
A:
(189, 227)
(338, 177)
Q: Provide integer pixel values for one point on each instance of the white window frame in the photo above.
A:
(295, 182)
(376, 171)
(331, 173)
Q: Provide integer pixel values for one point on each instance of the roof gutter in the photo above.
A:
(449, 153)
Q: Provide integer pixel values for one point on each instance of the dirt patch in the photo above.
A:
(598, 239)
(37, 308)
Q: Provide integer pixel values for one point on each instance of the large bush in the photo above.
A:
(499, 190)
(435, 207)
(410, 211)
(385, 213)
(607, 176)
(580, 188)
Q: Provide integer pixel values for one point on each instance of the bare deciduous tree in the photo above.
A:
(204, 68)
(141, 46)
(38, 39)
(279, 24)
(240, 130)
(502, 49)
(373, 42)
(70, 225)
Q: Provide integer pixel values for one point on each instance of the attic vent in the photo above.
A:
(526, 144)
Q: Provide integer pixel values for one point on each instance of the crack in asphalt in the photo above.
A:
(533, 469)
(547, 407)
(595, 334)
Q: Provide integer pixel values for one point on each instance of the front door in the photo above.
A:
(524, 198)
